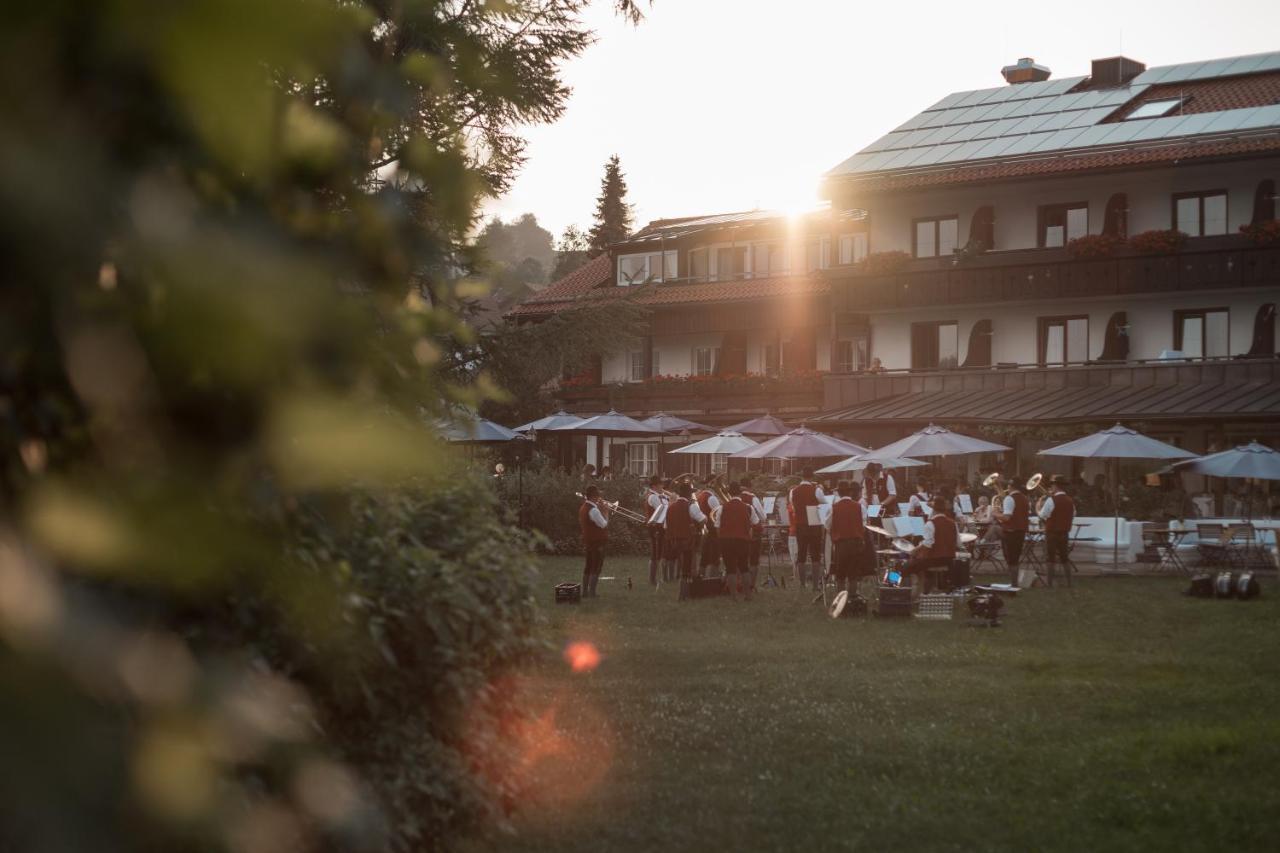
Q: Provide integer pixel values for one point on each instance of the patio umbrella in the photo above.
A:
(612, 424)
(673, 425)
(802, 443)
(722, 442)
(932, 441)
(552, 421)
(1254, 461)
(857, 463)
(763, 425)
(1117, 442)
(478, 431)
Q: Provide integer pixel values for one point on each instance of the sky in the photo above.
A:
(724, 105)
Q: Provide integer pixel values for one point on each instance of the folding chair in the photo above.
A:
(988, 552)
(1242, 546)
(1211, 542)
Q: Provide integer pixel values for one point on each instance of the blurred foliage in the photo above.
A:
(245, 603)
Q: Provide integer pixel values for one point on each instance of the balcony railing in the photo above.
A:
(788, 396)
(1208, 263)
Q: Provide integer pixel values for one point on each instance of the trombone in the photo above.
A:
(616, 507)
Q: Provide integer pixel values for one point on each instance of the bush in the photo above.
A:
(551, 508)
(882, 263)
(1266, 233)
(1092, 246)
(1164, 242)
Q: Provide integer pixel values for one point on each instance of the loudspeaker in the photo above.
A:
(894, 601)
(568, 593)
(707, 587)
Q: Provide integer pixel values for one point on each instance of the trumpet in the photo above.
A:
(616, 507)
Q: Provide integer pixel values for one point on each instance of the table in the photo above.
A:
(1168, 550)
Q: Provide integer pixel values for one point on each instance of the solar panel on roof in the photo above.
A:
(1092, 135)
(948, 101)
(1001, 110)
(1215, 68)
(965, 132)
(1188, 125)
(1057, 121)
(937, 119)
(936, 154)
(1058, 140)
(1264, 117)
(1028, 124)
(993, 148)
(1003, 93)
(1024, 144)
(1226, 120)
(1088, 118)
(915, 121)
(1155, 129)
(972, 98)
(1244, 64)
(1270, 62)
(1024, 108)
(1119, 132)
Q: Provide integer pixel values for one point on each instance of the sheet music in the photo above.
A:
(769, 501)
(824, 512)
(966, 504)
(889, 525)
(811, 516)
(784, 517)
(914, 525)
(873, 511)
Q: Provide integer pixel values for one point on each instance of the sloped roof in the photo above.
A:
(1044, 121)
(595, 282)
(1110, 402)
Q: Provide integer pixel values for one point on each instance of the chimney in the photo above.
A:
(1114, 71)
(1025, 70)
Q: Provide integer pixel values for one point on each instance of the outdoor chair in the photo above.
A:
(1211, 542)
(1242, 547)
(988, 552)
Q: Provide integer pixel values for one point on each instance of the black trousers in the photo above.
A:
(656, 533)
(734, 552)
(1012, 541)
(591, 568)
(1056, 547)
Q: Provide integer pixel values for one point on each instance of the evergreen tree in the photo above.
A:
(613, 214)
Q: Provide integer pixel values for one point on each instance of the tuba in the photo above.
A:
(995, 480)
(1034, 485)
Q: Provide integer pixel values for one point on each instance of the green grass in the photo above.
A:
(1116, 715)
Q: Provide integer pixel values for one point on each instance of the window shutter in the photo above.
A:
(979, 353)
(1264, 331)
(1115, 346)
(1264, 202)
(1115, 221)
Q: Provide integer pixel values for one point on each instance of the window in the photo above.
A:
(699, 264)
(1155, 109)
(731, 262)
(851, 356)
(853, 247)
(769, 356)
(936, 237)
(719, 463)
(768, 259)
(1202, 333)
(635, 368)
(704, 360)
(1200, 214)
(641, 269)
(935, 345)
(642, 458)
(1064, 340)
(1061, 223)
(817, 254)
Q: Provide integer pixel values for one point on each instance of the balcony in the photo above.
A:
(1207, 263)
(714, 398)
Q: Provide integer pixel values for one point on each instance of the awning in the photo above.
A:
(1259, 400)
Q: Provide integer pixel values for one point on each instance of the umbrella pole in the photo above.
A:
(1115, 509)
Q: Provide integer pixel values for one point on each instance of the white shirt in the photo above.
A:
(696, 513)
(826, 522)
(929, 533)
(918, 501)
(755, 519)
(1007, 507)
(889, 485)
(712, 501)
(598, 517)
(759, 508)
(654, 500)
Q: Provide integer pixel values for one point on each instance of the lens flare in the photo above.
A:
(582, 657)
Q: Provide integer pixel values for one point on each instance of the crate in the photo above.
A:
(568, 593)
(936, 607)
(894, 601)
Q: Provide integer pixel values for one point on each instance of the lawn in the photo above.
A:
(1115, 715)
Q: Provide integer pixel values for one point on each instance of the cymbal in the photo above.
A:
(966, 538)
(879, 530)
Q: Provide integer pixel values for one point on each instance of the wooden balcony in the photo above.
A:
(1208, 263)
(712, 401)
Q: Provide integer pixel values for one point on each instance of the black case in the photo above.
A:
(894, 601)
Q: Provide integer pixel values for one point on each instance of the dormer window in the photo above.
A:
(649, 267)
(1155, 109)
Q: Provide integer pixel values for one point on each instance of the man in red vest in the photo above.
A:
(757, 530)
(940, 545)
(809, 530)
(1058, 512)
(593, 520)
(847, 525)
(684, 517)
(709, 553)
(654, 500)
(734, 522)
(1014, 515)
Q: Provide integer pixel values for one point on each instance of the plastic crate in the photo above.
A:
(568, 593)
(936, 606)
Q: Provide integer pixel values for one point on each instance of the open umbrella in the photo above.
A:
(857, 463)
(552, 421)
(1117, 442)
(763, 425)
(1254, 461)
(673, 425)
(802, 443)
(722, 442)
(933, 441)
(612, 424)
(478, 431)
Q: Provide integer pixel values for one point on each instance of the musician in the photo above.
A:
(655, 499)
(757, 530)
(920, 502)
(1014, 515)
(882, 488)
(940, 545)
(709, 553)
(809, 537)
(684, 517)
(1058, 512)
(734, 522)
(847, 524)
(593, 519)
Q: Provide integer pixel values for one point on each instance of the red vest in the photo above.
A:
(735, 520)
(704, 501)
(679, 524)
(591, 532)
(1064, 512)
(1021, 512)
(803, 496)
(944, 537)
(882, 492)
(846, 520)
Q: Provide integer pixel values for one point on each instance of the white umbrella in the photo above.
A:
(802, 443)
(556, 420)
(857, 463)
(723, 442)
(1254, 461)
(1117, 442)
(933, 441)
(479, 431)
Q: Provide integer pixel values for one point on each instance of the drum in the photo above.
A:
(1247, 586)
(1224, 585)
(846, 606)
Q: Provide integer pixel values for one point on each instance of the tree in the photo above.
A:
(571, 252)
(613, 214)
(245, 601)
(522, 247)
